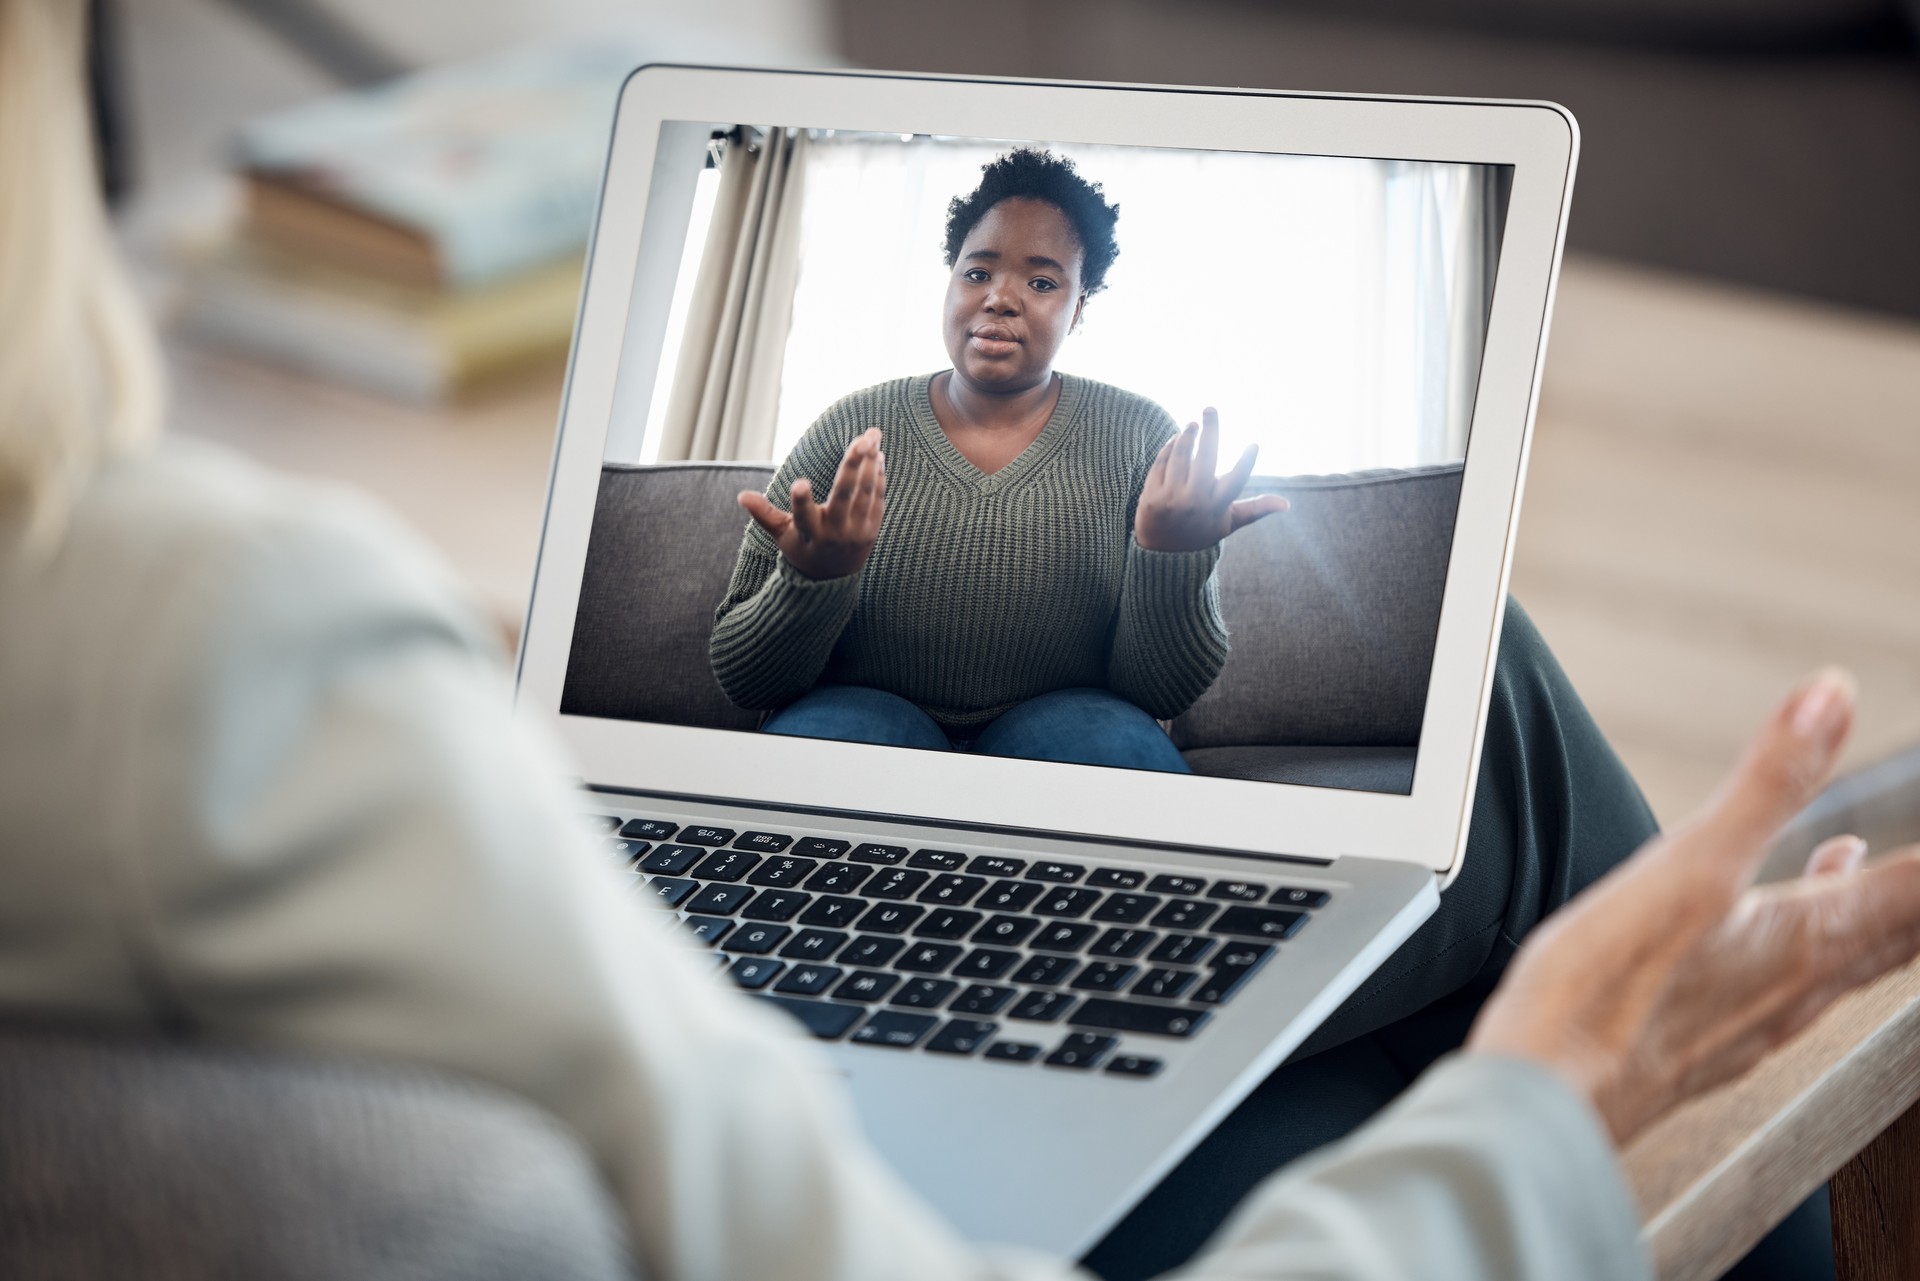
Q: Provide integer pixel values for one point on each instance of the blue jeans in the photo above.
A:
(1081, 726)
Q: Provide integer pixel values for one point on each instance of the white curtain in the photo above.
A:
(1333, 309)
(725, 396)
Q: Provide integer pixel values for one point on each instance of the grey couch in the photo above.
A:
(1332, 609)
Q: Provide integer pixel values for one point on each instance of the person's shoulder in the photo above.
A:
(1130, 415)
(193, 532)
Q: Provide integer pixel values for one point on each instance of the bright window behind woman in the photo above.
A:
(1316, 302)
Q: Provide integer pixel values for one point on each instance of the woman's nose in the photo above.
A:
(1002, 300)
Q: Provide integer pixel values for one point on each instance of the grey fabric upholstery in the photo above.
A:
(1332, 609)
(156, 1159)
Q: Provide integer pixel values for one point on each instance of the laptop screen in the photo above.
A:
(1124, 456)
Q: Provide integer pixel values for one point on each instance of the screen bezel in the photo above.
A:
(1429, 825)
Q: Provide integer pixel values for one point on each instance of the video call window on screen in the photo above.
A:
(1094, 454)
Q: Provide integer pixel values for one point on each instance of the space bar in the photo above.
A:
(1124, 1016)
(824, 1019)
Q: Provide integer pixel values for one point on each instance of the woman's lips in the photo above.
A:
(993, 341)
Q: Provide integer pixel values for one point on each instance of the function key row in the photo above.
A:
(634, 835)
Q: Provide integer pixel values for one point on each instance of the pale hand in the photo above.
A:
(831, 539)
(1674, 973)
(1184, 506)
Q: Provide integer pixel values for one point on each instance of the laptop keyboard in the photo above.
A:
(1016, 960)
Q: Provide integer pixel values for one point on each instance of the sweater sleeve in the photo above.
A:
(1169, 641)
(776, 628)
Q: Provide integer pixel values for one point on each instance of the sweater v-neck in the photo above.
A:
(961, 470)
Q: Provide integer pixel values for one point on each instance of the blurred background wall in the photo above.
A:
(1771, 142)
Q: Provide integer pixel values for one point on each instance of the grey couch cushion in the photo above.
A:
(662, 549)
(159, 1160)
(1332, 608)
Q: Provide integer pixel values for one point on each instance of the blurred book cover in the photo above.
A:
(421, 238)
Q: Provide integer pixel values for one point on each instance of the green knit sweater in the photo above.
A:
(983, 590)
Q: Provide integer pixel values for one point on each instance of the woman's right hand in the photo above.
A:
(1674, 972)
(834, 538)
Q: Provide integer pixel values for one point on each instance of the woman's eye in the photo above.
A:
(1042, 285)
(977, 275)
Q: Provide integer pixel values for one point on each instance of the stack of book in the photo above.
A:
(421, 238)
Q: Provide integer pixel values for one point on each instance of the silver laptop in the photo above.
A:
(1043, 982)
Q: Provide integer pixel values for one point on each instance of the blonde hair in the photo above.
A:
(80, 374)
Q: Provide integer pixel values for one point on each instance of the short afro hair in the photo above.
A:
(1026, 174)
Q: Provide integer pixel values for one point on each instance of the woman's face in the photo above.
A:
(1014, 296)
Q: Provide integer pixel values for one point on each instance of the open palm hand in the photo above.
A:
(1185, 506)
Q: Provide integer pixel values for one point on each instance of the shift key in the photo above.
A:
(1126, 1016)
(1259, 922)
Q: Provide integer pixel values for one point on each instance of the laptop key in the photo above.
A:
(814, 945)
(890, 918)
(946, 923)
(1013, 1052)
(719, 900)
(726, 865)
(1293, 896)
(872, 950)
(1134, 1065)
(1131, 1016)
(762, 842)
(928, 958)
(1231, 970)
(1064, 936)
(1185, 886)
(924, 994)
(754, 972)
(982, 998)
(1185, 914)
(871, 853)
(633, 852)
(1240, 891)
(775, 905)
(605, 822)
(757, 940)
(648, 829)
(866, 985)
(1120, 943)
(824, 1019)
(995, 865)
(1009, 896)
(895, 1029)
(709, 929)
(1045, 971)
(808, 980)
(1165, 984)
(819, 847)
(673, 889)
(986, 963)
(1105, 976)
(952, 890)
(1127, 909)
(1116, 878)
(672, 860)
(714, 836)
(1182, 949)
(961, 1036)
(1260, 922)
(1066, 902)
(833, 913)
(899, 883)
(938, 860)
(839, 878)
(782, 873)
(1063, 873)
(1081, 1050)
(1041, 1006)
(1008, 930)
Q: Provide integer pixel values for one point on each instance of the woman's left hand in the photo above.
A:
(1184, 506)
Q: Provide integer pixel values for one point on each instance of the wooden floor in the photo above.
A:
(1725, 492)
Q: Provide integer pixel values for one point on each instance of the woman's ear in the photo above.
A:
(1079, 313)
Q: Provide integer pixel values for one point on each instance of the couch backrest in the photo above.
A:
(1332, 606)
